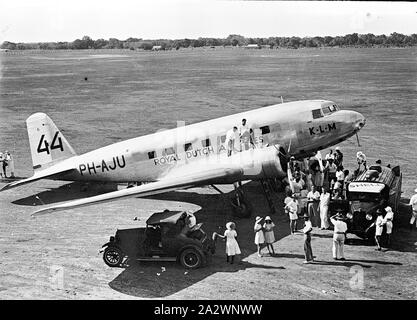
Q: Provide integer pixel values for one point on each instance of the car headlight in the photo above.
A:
(349, 216)
(368, 216)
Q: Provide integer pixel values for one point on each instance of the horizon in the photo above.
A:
(167, 39)
(47, 21)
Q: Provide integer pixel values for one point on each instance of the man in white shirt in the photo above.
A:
(313, 198)
(413, 204)
(231, 137)
(245, 135)
(339, 235)
(307, 240)
(330, 155)
(292, 209)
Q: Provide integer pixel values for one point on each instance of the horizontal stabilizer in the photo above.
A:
(47, 173)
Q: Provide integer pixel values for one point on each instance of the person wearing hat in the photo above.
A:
(232, 246)
(292, 209)
(269, 234)
(339, 235)
(259, 234)
(388, 222)
(308, 252)
(413, 204)
(361, 159)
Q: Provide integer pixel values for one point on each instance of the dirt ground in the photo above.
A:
(56, 256)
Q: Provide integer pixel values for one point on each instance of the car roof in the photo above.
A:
(165, 217)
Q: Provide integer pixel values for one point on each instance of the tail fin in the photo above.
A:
(48, 146)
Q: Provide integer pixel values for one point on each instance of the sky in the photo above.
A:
(63, 20)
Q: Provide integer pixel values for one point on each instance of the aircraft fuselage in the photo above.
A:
(300, 127)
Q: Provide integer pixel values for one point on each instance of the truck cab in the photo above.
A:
(374, 188)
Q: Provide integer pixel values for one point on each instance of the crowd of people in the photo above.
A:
(6, 164)
(308, 197)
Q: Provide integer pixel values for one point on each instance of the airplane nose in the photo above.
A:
(359, 122)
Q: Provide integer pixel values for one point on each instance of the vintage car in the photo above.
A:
(375, 188)
(166, 237)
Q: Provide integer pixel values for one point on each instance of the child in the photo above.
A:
(379, 227)
(269, 235)
(232, 247)
(259, 234)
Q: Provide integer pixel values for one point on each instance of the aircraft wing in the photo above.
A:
(180, 179)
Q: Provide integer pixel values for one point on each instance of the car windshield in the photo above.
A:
(364, 197)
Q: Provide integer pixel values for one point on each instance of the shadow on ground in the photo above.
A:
(146, 280)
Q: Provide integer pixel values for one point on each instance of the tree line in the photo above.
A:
(350, 40)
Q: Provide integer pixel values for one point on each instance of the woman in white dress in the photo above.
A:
(324, 209)
(232, 247)
(259, 234)
(269, 234)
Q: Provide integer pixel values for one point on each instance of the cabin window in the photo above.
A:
(188, 147)
(206, 143)
(223, 139)
(168, 151)
(265, 130)
(151, 155)
(317, 114)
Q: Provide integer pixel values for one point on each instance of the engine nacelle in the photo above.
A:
(264, 163)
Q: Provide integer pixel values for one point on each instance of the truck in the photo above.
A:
(376, 187)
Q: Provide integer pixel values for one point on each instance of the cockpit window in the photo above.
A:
(329, 109)
(317, 114)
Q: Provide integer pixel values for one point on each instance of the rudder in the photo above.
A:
(48, 145)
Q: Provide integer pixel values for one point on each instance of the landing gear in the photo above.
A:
(240, 206)
(266, 186)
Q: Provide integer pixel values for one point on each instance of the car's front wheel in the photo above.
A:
(190, 258)
(112, 256)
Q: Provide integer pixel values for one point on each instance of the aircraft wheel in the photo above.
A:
(191, 258)
(112, 256)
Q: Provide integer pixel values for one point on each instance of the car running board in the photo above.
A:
(156, 258)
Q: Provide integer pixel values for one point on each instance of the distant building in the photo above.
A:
(252, 46)
(156, 48)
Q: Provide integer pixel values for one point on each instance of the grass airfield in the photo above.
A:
(128, 94)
